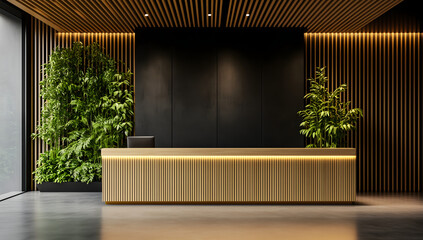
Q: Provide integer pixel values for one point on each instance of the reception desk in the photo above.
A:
(228, 175)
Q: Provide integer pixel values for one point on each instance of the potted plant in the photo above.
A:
(88, 106)
(326, 118)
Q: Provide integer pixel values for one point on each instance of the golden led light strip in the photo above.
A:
(290, 157)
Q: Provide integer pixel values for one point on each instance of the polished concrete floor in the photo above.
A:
(36, 215)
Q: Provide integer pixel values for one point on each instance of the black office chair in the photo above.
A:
(141, 142)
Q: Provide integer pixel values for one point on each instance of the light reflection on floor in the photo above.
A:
(247, 231)
(216, 222)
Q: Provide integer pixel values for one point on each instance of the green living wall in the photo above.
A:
(88, 106)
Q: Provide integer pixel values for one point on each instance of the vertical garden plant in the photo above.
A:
(326, 118)
(88, 106)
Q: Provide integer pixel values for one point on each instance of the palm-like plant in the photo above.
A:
(326, 119)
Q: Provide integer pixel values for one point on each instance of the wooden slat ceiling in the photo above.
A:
(126, 15)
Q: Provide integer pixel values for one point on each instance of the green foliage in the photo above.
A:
(88, 106)
(326, 119)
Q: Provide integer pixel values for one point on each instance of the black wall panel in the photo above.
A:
(228, 88)
(283, 89)
(239, 90)
(194, 90)
(153, 97)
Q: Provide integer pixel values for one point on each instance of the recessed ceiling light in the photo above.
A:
(146, 14)
(209, 14)
(247, 14)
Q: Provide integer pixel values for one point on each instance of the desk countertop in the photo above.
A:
(228, 152)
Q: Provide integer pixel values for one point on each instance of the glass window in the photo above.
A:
(10, 103)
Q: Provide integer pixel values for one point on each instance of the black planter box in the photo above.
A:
(69, 187)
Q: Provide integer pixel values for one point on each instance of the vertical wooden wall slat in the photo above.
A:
(382, 71)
